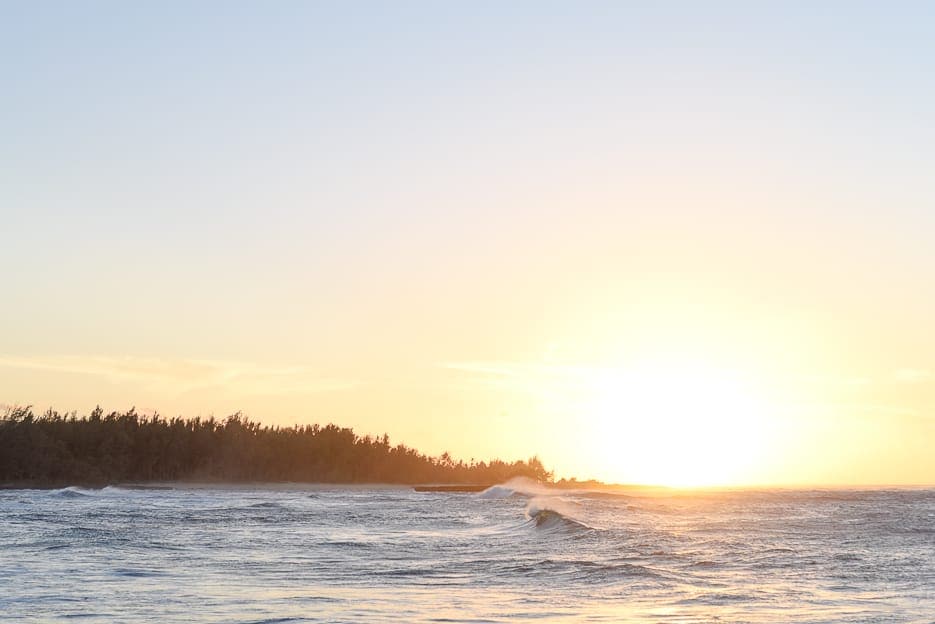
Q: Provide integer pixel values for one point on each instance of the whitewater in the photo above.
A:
(514, 553)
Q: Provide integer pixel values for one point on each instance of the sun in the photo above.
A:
(675, 424)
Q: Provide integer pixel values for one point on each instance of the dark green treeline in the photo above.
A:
(56, 449)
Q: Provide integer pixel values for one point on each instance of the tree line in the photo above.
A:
(120, 447)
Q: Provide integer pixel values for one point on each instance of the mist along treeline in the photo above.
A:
(57, 449)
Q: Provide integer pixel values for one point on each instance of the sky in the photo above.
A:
(674, 242)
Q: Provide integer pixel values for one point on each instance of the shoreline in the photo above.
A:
(438, 487)
(237, 485)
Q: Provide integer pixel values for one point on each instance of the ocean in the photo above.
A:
(514, 553)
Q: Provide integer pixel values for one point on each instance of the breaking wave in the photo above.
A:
(516, 488)
(552, 520)
(546, 508)
(554, 513)
(71, 492)
(498, 491)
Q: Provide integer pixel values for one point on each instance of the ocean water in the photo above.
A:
(512, 554)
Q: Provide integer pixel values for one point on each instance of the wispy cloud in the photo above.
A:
(883, 410)
(844, 381)
(184, 375)
(516, 369)
(887, 412)
(913, 375)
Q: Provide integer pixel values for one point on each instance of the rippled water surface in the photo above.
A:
(320, 554)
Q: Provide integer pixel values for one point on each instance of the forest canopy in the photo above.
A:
(65, 449)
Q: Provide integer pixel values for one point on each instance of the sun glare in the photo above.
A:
(676, 425)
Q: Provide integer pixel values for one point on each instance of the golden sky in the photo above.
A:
(690, 247)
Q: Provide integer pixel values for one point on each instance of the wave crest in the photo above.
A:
(545, 517)
(517, 487)
(72, 492)
(499, 491)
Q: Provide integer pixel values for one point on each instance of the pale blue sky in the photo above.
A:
(370, 190)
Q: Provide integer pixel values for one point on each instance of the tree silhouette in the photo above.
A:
(60, 449)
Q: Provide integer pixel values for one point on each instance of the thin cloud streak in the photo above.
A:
(184, 375)
(516, 369)
(913, 375)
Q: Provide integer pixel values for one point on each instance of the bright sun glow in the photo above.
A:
(676, 425)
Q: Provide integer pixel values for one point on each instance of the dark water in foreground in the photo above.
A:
(379, 554)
